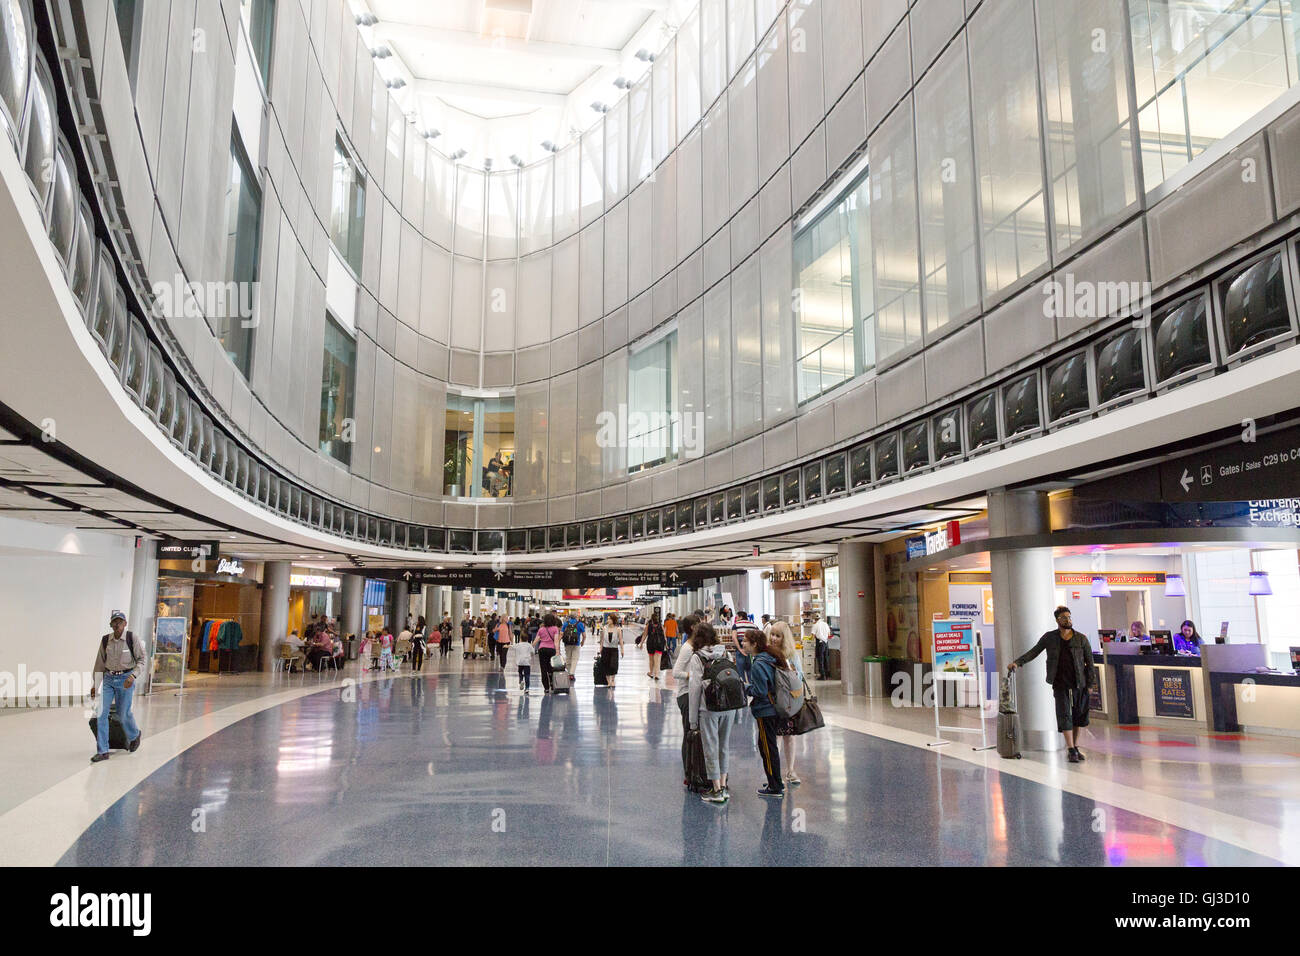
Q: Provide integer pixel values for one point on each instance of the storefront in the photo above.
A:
(209, 617)
(313, 595)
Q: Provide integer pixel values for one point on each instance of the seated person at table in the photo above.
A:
(1187, 641)
(1137, 633)
(321, 647)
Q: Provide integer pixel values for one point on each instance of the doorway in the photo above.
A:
(1123, 607)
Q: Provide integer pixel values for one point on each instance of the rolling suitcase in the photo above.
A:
(560, 682)
(116, 735)
(1008, 719)
(598, 672)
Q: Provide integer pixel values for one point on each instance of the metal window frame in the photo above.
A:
(996, 442)
(813, 468)
(64, 159)
(904, 467)
(17, 125)
(877, 444)
(854, 484)
(842, 459)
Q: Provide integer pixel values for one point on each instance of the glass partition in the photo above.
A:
(479, 446)
(337, 388)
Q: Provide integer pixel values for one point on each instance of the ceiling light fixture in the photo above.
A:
(514, 158)
(549, 146)
(622, 83)
(645, 55)
(396, 83)
(1174, 586)
(459, 154)
(1100, 586)
(1259, 584)
(599, 107)
(382, 52)
(366, 19)
(432, 133)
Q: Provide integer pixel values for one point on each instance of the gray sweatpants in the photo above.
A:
(715, 735)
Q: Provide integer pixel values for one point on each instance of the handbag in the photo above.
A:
(809, 716)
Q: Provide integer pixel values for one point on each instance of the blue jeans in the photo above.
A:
(742, 665)
(115, 690)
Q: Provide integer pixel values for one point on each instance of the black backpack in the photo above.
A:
(569, 636)
(723, 688)
(130, 644)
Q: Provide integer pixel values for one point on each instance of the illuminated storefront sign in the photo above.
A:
(1112, 578)
(230, 566)
(320, 582)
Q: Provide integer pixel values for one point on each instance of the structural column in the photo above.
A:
(401, 605)
(858, 637)
(1024, 596)
(457, 609)
(351, 607)
(275, 610)
(432, 605)
(144, 599)
(475, 603)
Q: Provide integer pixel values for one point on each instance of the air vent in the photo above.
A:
(1120, 370)
(1067, 390)
(1020, 405)
(1182, 340)
(916, 447)
(946, 428)
(1254, 307)
(982, 421)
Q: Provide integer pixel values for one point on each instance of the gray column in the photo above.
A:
(275, 610)
(475, 603)
(858, 636)
(1024, 595)
(401, 605)
(432, 605)
(457, 610)
(143, 609)
(351, 608)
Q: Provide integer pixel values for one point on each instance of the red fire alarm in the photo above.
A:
(862, 594)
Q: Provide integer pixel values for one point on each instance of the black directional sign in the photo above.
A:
(545, 578)
(1267, 467)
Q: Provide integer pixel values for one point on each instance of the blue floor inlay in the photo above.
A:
(447, 769)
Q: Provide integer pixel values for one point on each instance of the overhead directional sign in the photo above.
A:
(1267, 467)
(545, 578)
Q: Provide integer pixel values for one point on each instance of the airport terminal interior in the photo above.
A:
(650, 432)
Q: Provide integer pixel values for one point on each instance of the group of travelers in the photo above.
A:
(320, 644)
(714, 690)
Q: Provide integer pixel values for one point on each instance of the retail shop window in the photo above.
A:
(259, 21)
(1202, 70)
(337, 393)
(348, 206)
(479, 446)
(15, 64)
(232, 314)
(653, 430)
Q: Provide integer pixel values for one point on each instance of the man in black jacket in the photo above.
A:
(1070, 671)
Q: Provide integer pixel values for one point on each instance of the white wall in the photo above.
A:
(57, 589)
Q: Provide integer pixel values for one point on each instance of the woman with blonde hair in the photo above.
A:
(783, 638)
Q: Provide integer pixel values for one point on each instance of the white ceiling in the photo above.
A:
(499, 76)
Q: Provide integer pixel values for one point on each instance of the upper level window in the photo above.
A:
(337, 391)
(832, 264)
(348, 206)
(653, 422)
(259, 21)
(234, 322)
(479, 446)
(128, 30)
(1203, 69)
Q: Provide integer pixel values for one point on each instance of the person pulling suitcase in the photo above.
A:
(120, 661)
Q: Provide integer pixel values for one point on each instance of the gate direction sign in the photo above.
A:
(543, 578)
(1267, 468)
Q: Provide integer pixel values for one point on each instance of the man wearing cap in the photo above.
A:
(120, 660)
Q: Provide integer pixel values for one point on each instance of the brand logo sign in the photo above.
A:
(74, 909)
(229, 566)
(324, 582)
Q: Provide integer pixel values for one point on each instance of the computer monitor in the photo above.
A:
(1295, 658)
(1107, 634)
(1163, 640)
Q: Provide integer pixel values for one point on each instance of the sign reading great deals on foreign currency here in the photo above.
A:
(1173, 693)
(954, 650)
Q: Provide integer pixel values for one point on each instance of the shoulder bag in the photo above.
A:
(809, 716)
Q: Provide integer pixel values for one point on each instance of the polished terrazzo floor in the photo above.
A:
(456, 766)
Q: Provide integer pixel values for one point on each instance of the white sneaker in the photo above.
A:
(792, 779)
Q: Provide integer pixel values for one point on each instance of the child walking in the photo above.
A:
(524, 653)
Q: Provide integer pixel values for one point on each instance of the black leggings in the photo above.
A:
(769, 751)
(503, 650)
(544, 656)
(444, 647)
(417, 655)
